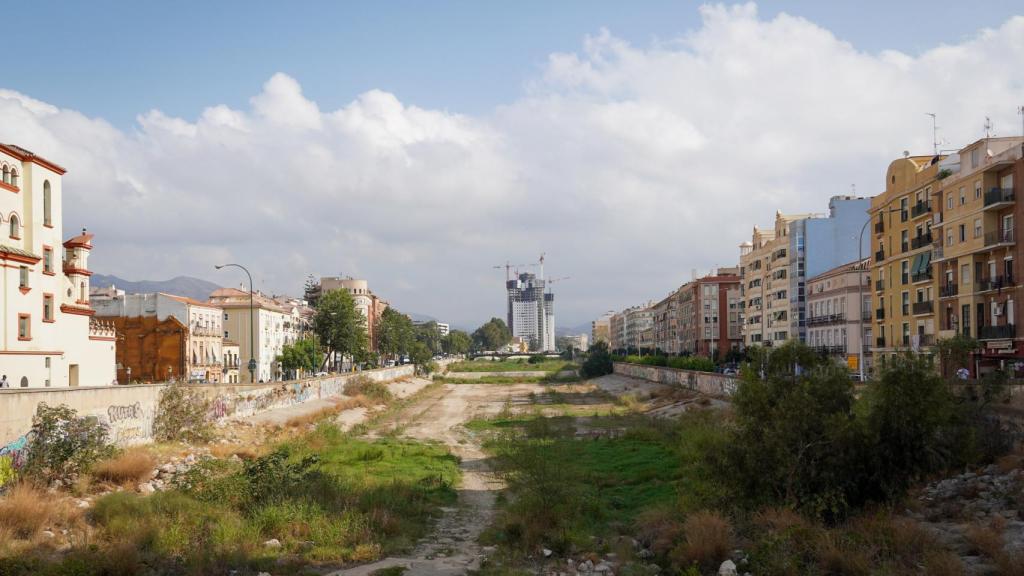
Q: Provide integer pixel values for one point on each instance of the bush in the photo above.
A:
(25, 510)
(128, 467)
(708, 540)
(598, 362)
(364, 386)
(536, 359)
(182, 415)
(64, 444)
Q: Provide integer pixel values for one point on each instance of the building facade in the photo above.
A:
(901, 266)
(976, 254)
(201, 360)
(531, 311)
(273, 326)
(665, 322)
(50, 338)
(710, 315)
(839, 313)
(600, 330)
(232, 361)
(369, 304)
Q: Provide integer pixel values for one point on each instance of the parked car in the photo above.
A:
(389, 364)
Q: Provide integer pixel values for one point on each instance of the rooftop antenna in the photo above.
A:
(988, 128)
(1020, 112)
(935, 133)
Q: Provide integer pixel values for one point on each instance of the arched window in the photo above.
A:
(14, 177)
(15, 228)
(24, 381)
(47, 211)
(7, 175)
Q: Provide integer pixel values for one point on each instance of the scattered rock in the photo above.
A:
(547, 553)
(272, 543)
(728, 568)
(146, 488)
(49, 534)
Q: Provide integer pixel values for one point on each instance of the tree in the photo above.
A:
(394, 333)
(340, 327)
(301, 355)
(421, 356)
(456, 342)
(492, 335)
(428, 334)
(598, 362)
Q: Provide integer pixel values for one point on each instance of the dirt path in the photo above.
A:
(452, 548)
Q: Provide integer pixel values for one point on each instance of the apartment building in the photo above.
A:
(977, 253)
(632, 329)
(665, 323)
(600, 330)
(839, 313)
(531, 311)
(273, 325)
(901, 267)
(49, 336)
(154, 352)
(710, 318)
(369, 304)
(232, 362)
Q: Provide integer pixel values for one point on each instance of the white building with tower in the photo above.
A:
(49, 336)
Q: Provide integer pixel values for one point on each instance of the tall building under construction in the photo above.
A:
(531, 311)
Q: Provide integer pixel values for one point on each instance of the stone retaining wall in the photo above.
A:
(129, 410)
(710, 383)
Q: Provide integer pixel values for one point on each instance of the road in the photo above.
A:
(438, 415)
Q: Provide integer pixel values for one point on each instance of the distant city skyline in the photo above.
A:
(417, 146)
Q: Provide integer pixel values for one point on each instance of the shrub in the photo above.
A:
(536, 359)
(363, 385)
(25, 510)
(274, 477)
(598, 362)
(128, 467)
(7, 472)
(182, 415)
(64, 444)
(707, 540)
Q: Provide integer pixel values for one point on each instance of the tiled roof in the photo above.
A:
(18, 252)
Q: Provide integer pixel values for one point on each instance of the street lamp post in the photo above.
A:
(860, 286)
(252, 323)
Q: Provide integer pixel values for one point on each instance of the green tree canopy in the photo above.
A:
(340, 326)
(394, 333)
(428, 334)
(492, 335)
(457, 342)
(301, 355)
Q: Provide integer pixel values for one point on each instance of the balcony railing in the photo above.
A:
(997, 332)
(880, 255)
(1001, 237)
(826, 319)
(926, 340)
(830, 350)
(995, 283)
(879, 284)
(880, 342)
(926, 307)
(949, 290)
(998, 196)
(920, 208)
(921, 241)
(880, 313)
(865, 315)
(925, 274)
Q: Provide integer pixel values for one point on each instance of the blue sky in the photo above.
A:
(117, 59)
(418, 144)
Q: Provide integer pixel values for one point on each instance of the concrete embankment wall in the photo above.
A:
(129, 410)
(709, 383)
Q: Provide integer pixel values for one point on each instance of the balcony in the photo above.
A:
(994, 283)
(831, 350)
(926, 339)
(1002, 237)
(997, 332)
(998, 198)
(880, 255)
(879, 285)
(879, 227)
(921, 241)
(926, 274)
(866, 315)
(826, 319)
(880, 314)
(920, 209)
(949, 290)
(926, 307)
(880, 342)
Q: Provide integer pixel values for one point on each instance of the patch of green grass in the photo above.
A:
(491, 380)
(553, 365)
(325, 496)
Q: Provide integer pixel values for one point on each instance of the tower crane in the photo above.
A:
(507, 266)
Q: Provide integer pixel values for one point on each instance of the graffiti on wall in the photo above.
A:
(128, 423)
(17, 451)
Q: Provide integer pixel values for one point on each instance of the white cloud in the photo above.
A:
(629, 165)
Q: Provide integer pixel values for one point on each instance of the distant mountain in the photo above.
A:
(572, 330)
(416, 317)
(181, 286)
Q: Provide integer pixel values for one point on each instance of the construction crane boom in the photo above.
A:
(508, 267)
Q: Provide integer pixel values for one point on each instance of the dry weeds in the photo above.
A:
(708, 539)
(129, 467)
(25, 510)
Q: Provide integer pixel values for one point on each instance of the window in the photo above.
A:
(47, 205)
(48, 260)
(974, 158)
(7, 175)
(965, 273)
(963, 232)
(977, 189)
(15, 228)
(47, 307)
(904, 240)
(24, 381)
(23, 277)
(949, 201)
(905, 305)
(977, 227)
(904, 271)
(24, 327)
(949, 237)
(14, 178)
